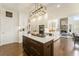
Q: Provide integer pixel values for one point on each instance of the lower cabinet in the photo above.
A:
(35, 48)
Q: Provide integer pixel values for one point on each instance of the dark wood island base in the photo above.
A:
(35, 48)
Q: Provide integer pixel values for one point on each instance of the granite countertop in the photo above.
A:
(41, 39)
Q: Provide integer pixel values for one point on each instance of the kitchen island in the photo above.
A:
(38, 46)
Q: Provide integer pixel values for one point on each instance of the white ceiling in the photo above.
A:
(27, 5)
(65, 9)
(15, 5)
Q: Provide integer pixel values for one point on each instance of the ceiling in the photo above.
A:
(16, 5)
(27, 5)
(65, 9)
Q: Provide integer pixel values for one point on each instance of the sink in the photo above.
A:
(39, 35)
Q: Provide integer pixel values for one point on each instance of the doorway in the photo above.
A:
(64, 26)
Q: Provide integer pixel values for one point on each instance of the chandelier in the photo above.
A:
(38, 10)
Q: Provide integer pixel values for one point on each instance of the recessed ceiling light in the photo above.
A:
(58, 6)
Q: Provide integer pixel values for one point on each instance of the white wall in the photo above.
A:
(9, 26)
(74, 24)
(22, 24)
(35, 22)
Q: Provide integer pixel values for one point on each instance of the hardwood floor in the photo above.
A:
(62, 47)
(14, 49)
(65, 47)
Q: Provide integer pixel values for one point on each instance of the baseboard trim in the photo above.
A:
(9, 43)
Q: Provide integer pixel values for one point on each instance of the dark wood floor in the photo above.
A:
(65, 47)
(14, 49)
(62, 47)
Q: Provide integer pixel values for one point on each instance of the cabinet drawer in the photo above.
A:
(36, 46)
(34, 51)
(36, 43)
(31, 51)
